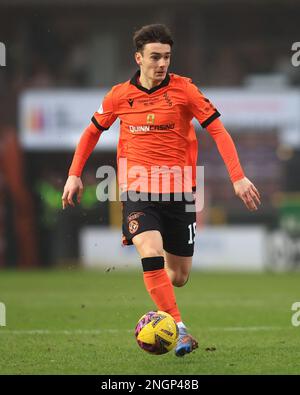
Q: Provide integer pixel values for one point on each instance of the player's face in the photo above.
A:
(154, 61)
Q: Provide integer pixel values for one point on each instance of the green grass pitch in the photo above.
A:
(82, 322)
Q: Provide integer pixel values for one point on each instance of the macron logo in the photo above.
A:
(130, 101)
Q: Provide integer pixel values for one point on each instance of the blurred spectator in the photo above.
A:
(227, 69)
(40, 77)
(77, 65)
(12, 183)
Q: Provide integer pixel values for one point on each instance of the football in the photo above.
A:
(156, 332)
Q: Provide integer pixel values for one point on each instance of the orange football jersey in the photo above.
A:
(157, 138)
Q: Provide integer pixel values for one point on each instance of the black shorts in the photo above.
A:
(176, 225)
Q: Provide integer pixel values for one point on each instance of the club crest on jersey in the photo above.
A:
(168, 100)
(133, 226)
(150, 119)
(130, 101)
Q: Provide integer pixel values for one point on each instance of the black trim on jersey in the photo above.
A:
(153, 263)
(210, 119)
(134, 82)
(98, 126)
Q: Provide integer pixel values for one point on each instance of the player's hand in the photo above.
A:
(246, 191)
(73, 186)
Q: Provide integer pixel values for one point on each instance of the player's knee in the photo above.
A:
(147, 248)
(149, 252)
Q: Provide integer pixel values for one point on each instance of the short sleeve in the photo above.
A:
(200, 106)
(105, 116)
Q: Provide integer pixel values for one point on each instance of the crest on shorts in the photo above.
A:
(133, 226)
(134, 215)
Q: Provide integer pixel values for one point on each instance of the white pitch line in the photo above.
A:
(61, 332)
(101, 331)
(247, 328)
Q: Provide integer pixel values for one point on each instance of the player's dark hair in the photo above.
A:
(155, 33)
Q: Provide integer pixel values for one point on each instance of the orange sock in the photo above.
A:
(159, 286)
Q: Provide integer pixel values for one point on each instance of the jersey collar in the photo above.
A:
(134, 82)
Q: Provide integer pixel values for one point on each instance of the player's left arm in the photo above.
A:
(208, 117)
(247, 191)
(243, 187)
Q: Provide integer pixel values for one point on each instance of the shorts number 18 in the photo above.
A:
(192, 232)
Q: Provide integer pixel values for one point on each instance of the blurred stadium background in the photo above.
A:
(61, 58)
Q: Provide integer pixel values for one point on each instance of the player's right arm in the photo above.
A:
(102, 120)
